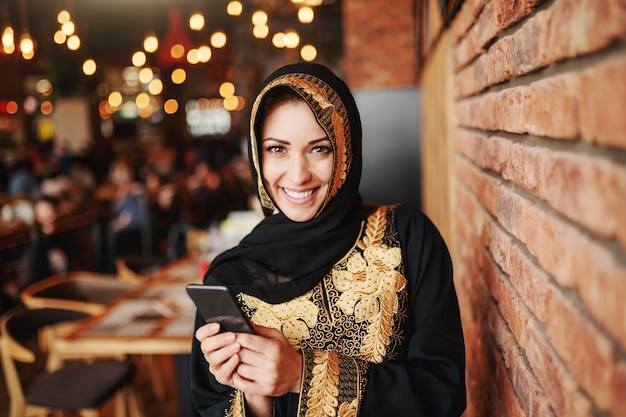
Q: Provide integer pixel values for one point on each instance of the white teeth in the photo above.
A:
(299, 195)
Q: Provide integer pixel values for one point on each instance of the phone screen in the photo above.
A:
(217, 304)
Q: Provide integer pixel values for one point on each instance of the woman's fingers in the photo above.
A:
(210, 329)
(225, 371)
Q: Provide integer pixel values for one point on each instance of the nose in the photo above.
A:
(299, 172)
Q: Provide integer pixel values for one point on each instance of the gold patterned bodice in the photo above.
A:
(358, 309)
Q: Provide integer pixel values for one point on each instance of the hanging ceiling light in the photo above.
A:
(176, 43)
(8, 40)
(27, 44)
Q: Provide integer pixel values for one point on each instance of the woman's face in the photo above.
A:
(296, 160)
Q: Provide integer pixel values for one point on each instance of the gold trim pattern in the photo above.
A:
(237, 405)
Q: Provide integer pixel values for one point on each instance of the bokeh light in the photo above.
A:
(227, 89)
(139, 59)
(89, 67)
(306, 14)
(234, 8)
(218, 39)
(170, 106)
(196, 21)
(179, 76)
(150, 43)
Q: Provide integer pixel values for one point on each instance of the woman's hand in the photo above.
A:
(264, 364)
(269, 365)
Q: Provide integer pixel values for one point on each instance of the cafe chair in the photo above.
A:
(37, 390)
(91, 293)
(138, 267)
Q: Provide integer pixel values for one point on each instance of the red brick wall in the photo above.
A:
(379, 47)
(538, 165)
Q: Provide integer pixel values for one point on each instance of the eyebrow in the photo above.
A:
(284, 141)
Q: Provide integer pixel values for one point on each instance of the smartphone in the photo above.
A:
(217, 304)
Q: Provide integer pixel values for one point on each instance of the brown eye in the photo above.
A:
(276, 149)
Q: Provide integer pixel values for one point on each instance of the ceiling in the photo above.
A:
(111, 30)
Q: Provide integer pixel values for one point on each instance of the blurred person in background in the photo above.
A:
(129, 229)
(48, 250)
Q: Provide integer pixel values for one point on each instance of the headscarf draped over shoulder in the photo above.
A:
(282, 259)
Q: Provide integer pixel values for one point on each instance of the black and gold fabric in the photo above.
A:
(364, 293)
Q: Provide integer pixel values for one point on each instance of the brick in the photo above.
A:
(602, 97)
(523, 168)
(495, 16)
(578, 27)
(498, 155)
(499, 386)
(592, 361)
(471, 145)
(559, 386)
(513, 309)
(526, 396)
(572, 257)
(618, 405)
(543, 97)
(484, 186)
(587, 352)
(568, 29)
(527, 109)
(573, 184)
(464, 82)
(529, 280)
(465, 18)
(468, 49)
(518, 320)
(577, 184)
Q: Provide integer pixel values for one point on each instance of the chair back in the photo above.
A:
(88, 292)
(138, 267)
(20, 342)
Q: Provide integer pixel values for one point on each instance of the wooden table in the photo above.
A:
(155, 318)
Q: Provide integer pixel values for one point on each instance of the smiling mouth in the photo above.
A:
(299, 195)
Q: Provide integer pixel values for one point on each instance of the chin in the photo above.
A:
(299, 216)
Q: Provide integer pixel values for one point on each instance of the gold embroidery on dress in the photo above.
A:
(324, 386)
(369, 286)
(237, 407)
(348, 409)
(293, 318)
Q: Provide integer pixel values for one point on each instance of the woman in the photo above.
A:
(354, 305)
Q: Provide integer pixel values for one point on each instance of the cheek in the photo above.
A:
(325, 170)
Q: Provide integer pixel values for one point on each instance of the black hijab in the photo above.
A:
(282, 259)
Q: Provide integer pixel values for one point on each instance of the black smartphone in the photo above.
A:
(217, 304)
